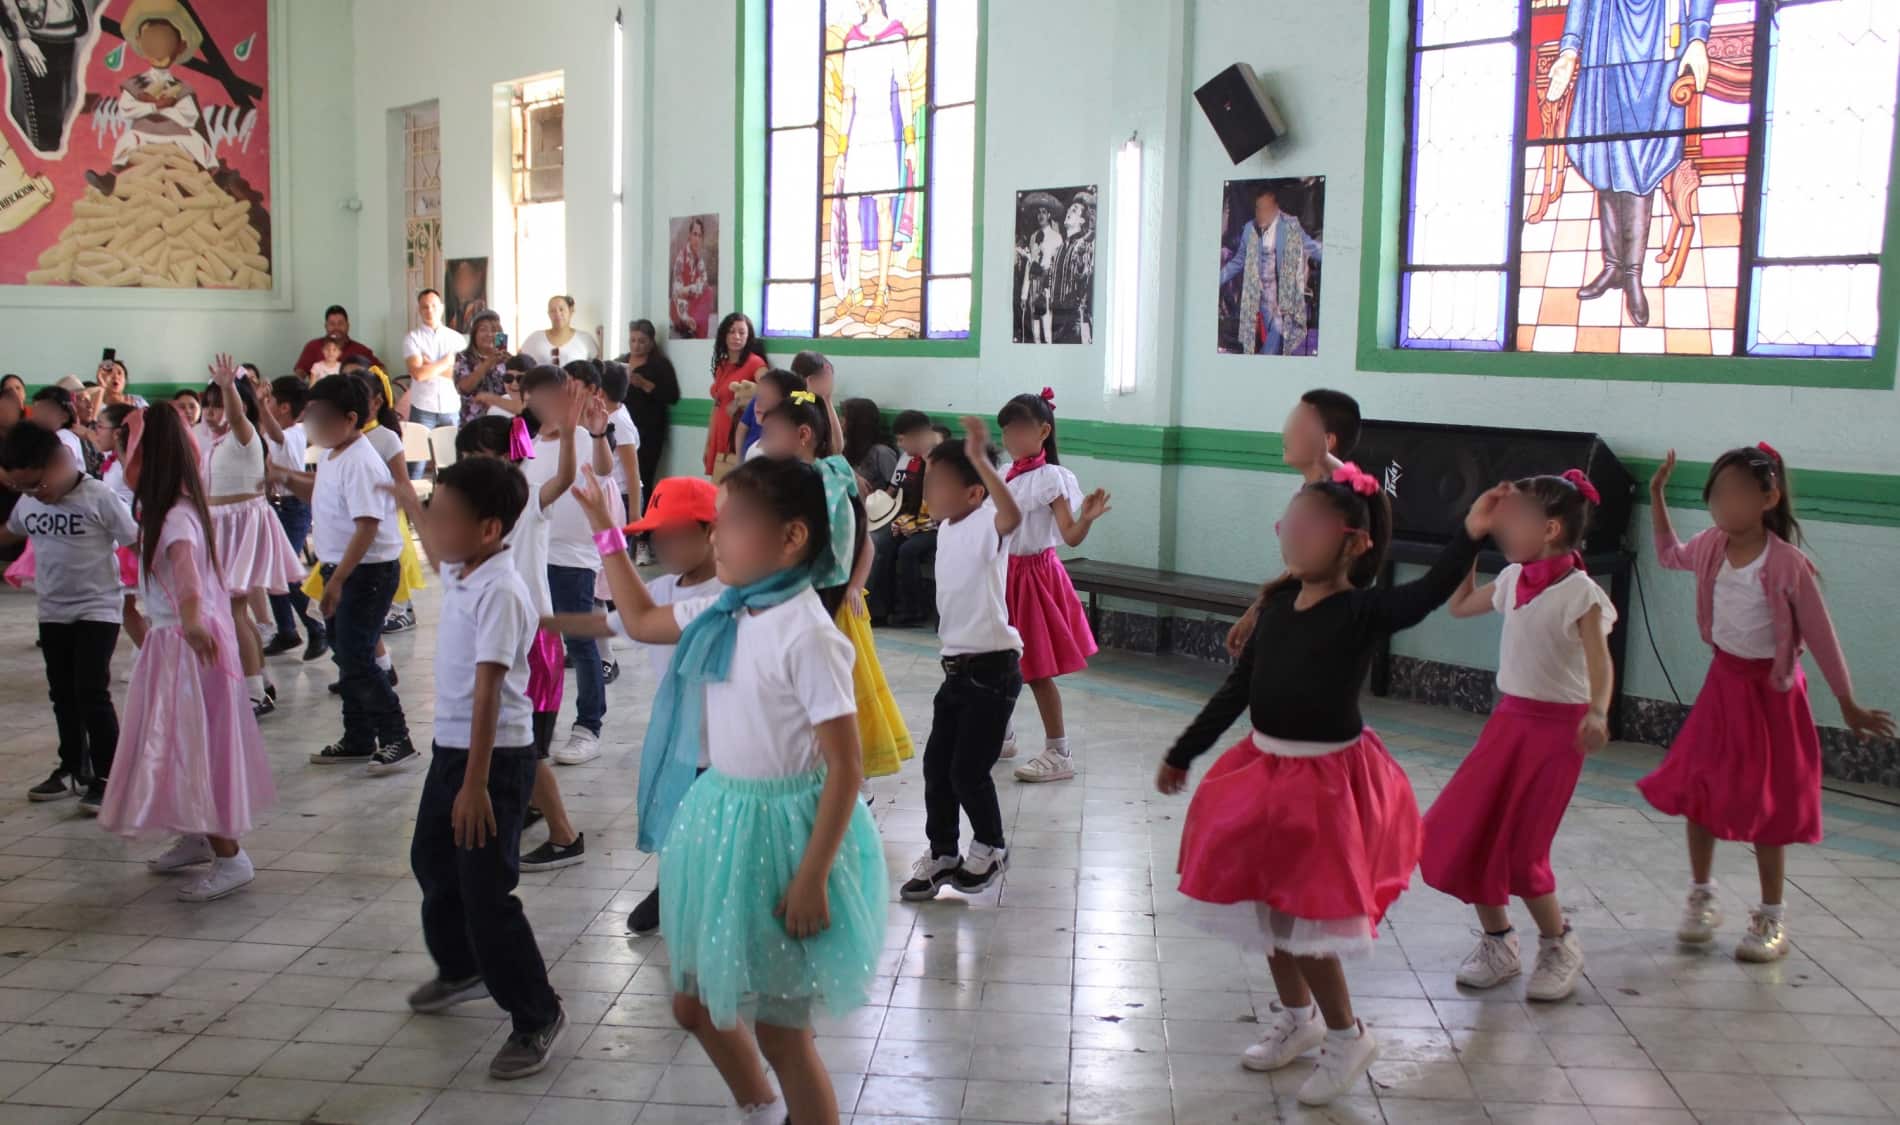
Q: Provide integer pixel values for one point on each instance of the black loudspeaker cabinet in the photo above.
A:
(1244, 118)
(1433, 472)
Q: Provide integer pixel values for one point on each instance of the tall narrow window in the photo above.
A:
(539, 190)
(870, 168)
(1668, 177)
(422, 202)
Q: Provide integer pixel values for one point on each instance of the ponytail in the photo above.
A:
(1038, 409)
(1367, 511)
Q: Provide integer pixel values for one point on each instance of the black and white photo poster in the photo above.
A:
(1054, 298)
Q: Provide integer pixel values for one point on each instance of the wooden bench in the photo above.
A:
(1157, 587)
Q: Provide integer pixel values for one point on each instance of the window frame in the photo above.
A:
(1387, 166)
(752, 154)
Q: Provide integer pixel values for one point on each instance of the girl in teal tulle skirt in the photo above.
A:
(772, 881)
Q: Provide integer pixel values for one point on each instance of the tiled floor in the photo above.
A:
(1080, 992)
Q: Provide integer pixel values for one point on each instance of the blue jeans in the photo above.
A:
(430, 419)
(571, 589)
(372, 713)
(289, 608)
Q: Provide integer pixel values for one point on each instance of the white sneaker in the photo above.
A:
(1290, 1034)
(980, 869)
(582, 746)
(188, 851)
(1047, 766)
(1009, 744)
(1700, 916)
(1342, 1063)
(1492, 962)
(1559, 964)
(225, 877)
(1766, 939)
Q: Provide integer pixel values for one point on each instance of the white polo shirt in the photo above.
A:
(487, 618)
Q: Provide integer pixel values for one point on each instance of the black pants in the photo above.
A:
(372, 712)
(79, 679)
(652, 445)
(471, 919)
(966, 738)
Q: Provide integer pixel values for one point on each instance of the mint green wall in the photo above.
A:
(171, 335)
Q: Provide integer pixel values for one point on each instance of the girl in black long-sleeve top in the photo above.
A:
(1309, 821)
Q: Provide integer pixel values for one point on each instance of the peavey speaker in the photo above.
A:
(1244, 118)
(1433, 472)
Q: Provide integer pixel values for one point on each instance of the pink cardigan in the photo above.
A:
(1794, 603)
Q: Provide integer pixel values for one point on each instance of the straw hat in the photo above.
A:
(141, 12)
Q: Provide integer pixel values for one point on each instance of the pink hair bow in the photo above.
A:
(1768, 449)
(1582, 484)
(1357, 479)
(1049, 396)
(520, 442)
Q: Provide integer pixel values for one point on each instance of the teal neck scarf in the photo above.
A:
(841, 484)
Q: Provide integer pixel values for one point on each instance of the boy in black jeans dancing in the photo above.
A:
(981, 664)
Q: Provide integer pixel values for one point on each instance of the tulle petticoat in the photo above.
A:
(1044, 608)
(190, 758)
(883, 738)
(1301, 855)
(547, 671)
(253, 551)
(1488, 835)
(733, 848)
(1747, 763)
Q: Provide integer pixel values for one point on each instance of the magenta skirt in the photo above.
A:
(1045, 610)
(128, 568)
(253, 551)
(1488, 835)
(19, 572)
(1747, 763)
(547, 671)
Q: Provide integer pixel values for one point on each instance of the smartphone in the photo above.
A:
(501, 341)
(109, 355)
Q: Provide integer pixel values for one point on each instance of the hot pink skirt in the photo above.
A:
(1044, 609)
(1321, 846)
(1488, 835)
(253, 551)
(547, 671)
(190, 758)
(128, 567)
(20, 571)
(1747, 763)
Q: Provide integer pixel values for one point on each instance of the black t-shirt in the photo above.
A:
(1300, 676)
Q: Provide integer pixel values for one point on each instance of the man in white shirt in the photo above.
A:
(429, 353)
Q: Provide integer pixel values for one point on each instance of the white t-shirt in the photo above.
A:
(114, 478)
(156, 588)
(233, 468)
(75, 445)
(437, 395)
(1541, 654)
(972, 568)
(625, 436)
(1035, 491)
(528, 543)
(570, 536)
(1744, 626)
(75, 567)
(290, 452)
(349, 487)
(540, 349)
(791, 670)
(386, 442)
(487, 618)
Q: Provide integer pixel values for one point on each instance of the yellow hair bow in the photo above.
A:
(804, 398)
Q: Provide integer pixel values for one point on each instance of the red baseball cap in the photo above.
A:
(678, 501)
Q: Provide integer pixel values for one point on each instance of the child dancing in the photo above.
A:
(772, 876)
(190, 759)
(1308, 825)
(1488, 835)
(1746, 765)
(1042, 602)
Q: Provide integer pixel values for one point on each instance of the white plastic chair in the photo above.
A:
(415, 451)
(442, 441)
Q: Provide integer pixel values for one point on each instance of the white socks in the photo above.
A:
(1057, 746)
(1708, 886)
(384, 662)
(1348, 1035)
(771, 1113)
(1771, 911)
(255, 685)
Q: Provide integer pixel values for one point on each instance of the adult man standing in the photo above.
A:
(336, 326)
(429, 352)
(1623, 56)
(1273, 257)
(1072, 278)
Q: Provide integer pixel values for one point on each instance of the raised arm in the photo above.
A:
(976, 445)
(1473, 600)
(1400, 607)
(224, 373)
(645, 622)
(1671, 552)
(574, 404)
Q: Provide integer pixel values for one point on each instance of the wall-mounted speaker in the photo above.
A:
(1244, 118)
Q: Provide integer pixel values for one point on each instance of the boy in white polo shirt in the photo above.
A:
(982, 673)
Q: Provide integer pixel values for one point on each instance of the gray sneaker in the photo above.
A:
(440, 995)
(527, 1052)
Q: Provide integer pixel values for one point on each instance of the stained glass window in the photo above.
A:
(1679, 177)
(870, 168)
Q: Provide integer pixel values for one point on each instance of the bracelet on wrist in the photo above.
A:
(610, 542)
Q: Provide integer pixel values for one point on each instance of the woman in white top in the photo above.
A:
(253, 552)
(559, 343)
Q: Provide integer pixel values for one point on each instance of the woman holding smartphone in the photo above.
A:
(479, 367)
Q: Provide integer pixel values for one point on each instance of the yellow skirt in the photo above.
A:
(882, 736)
(412, 577)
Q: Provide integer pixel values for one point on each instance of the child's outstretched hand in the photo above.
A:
(1095, 505)
(1865, 723)
(1170, 780)
(1592, 733)
(976, 438)
(1484, 510)
(592, 498)
(576, 396)
(223, 370)
(806, 908)
(1664, 471)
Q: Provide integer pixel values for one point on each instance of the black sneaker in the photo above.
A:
(980, 869)
(645, 918)
(440, 995)
(282, 643)
(551, 855)
(399, 621)
(57, 787)
(394, 679)
(263, 707)
(610, 670)
(389, 759)
(318, 648)
(926, 875)
(270, 691)
(93, 797)
(337, 754)
(527, 1052)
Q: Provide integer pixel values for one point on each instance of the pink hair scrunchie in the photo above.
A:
(1582, 484)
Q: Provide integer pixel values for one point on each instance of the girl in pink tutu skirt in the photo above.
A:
(1042, 602)
(1307, 829)
(1747, 763)
(1488, 835)
(189, 758)
(254, 553)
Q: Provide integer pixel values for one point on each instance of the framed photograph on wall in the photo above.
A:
(692, 276)
(1054, 283)
(1272, 233)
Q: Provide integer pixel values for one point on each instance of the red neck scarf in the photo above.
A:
(1026, 465)
(1536, 577)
